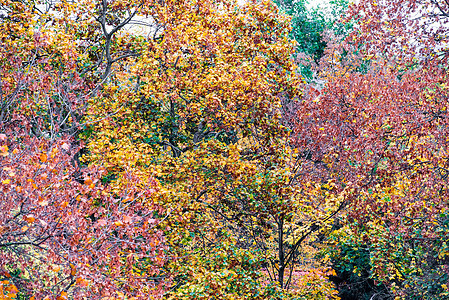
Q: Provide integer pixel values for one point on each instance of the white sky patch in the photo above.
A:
(316, 3)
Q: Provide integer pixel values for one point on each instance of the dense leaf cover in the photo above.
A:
(380, 126)
(172, 150)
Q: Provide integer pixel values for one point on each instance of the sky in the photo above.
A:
(315, 3)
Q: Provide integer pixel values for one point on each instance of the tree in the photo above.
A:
(64, 234)
(62, 238)
(155, 164)
(310, 27)
(379, 127)
(200, 109)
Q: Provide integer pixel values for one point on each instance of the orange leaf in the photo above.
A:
(72, 270)
(63, 296)
(43, 157)
(12, 289)
(30, 219)
(43, 203)
(4, 150)
(56, 268)
(118, 223)
(82, 282)
(88, 181)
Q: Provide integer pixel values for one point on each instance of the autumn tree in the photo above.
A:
(63, 233)
(156, 161)
(61, 238)
(199, 108)
(379, 127)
